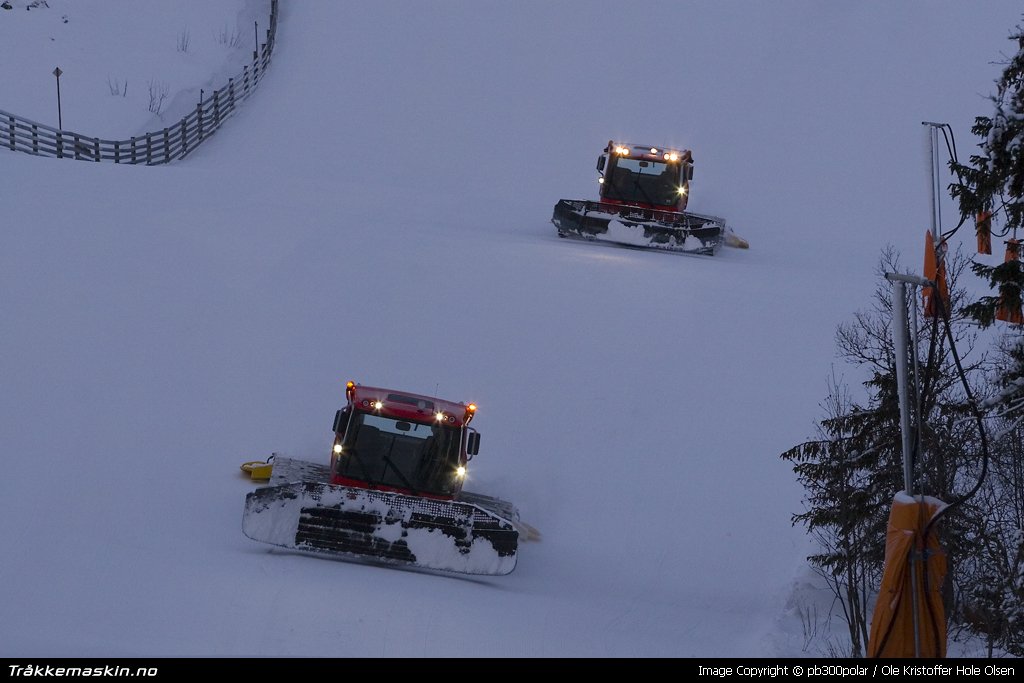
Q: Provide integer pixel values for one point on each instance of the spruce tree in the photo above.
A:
(991, 186)
(992, 183)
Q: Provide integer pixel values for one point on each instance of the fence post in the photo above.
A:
(216, 108)
(78, 143)
(255, 69)
(117, 151)
(149, 148)
(60, 146)
(245, 81)
(184, 136)
(231, 94)
(134, 160)
(11, 118)
(167, 147)
(199, 115)
(273, 22)
(96, 146)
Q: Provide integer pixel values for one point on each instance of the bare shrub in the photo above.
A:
(228, 38)
(157, 94)
(184, 40)
(117, 88)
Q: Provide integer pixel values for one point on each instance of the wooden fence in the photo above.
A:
(158, 147)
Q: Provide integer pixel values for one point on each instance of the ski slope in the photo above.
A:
(379, 211)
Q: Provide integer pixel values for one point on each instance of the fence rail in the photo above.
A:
(157, 147)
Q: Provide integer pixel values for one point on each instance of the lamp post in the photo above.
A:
(57, 72)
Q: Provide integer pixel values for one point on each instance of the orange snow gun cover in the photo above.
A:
(934, 270)
(892, 623)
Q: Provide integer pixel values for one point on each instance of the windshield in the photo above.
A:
(647, 182)
(422, 458)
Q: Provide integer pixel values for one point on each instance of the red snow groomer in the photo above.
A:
(643, 196)
(393, 491)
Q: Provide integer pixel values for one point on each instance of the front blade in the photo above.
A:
(682, 232)
(384, 527)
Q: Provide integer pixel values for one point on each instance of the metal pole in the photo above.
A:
(899, 342)
(935, 200)
(60, 123)
(899, 335)
(916, 444)
(938, 185)
(936, 178)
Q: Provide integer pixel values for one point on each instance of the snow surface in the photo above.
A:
(380, 211)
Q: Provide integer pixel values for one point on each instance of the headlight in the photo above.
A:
(460, 472)
(337, 448)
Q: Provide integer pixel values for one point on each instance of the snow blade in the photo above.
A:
(382, 527)
(683, 232)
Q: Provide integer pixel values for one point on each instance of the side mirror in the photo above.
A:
(340, 421)
(600, 163)
(473, 443)
(689, 171)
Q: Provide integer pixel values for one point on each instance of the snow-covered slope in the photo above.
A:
(379, 211)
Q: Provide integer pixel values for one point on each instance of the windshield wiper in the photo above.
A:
(401, 476)
(636, 184)
(388, 461)
(366, 473)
